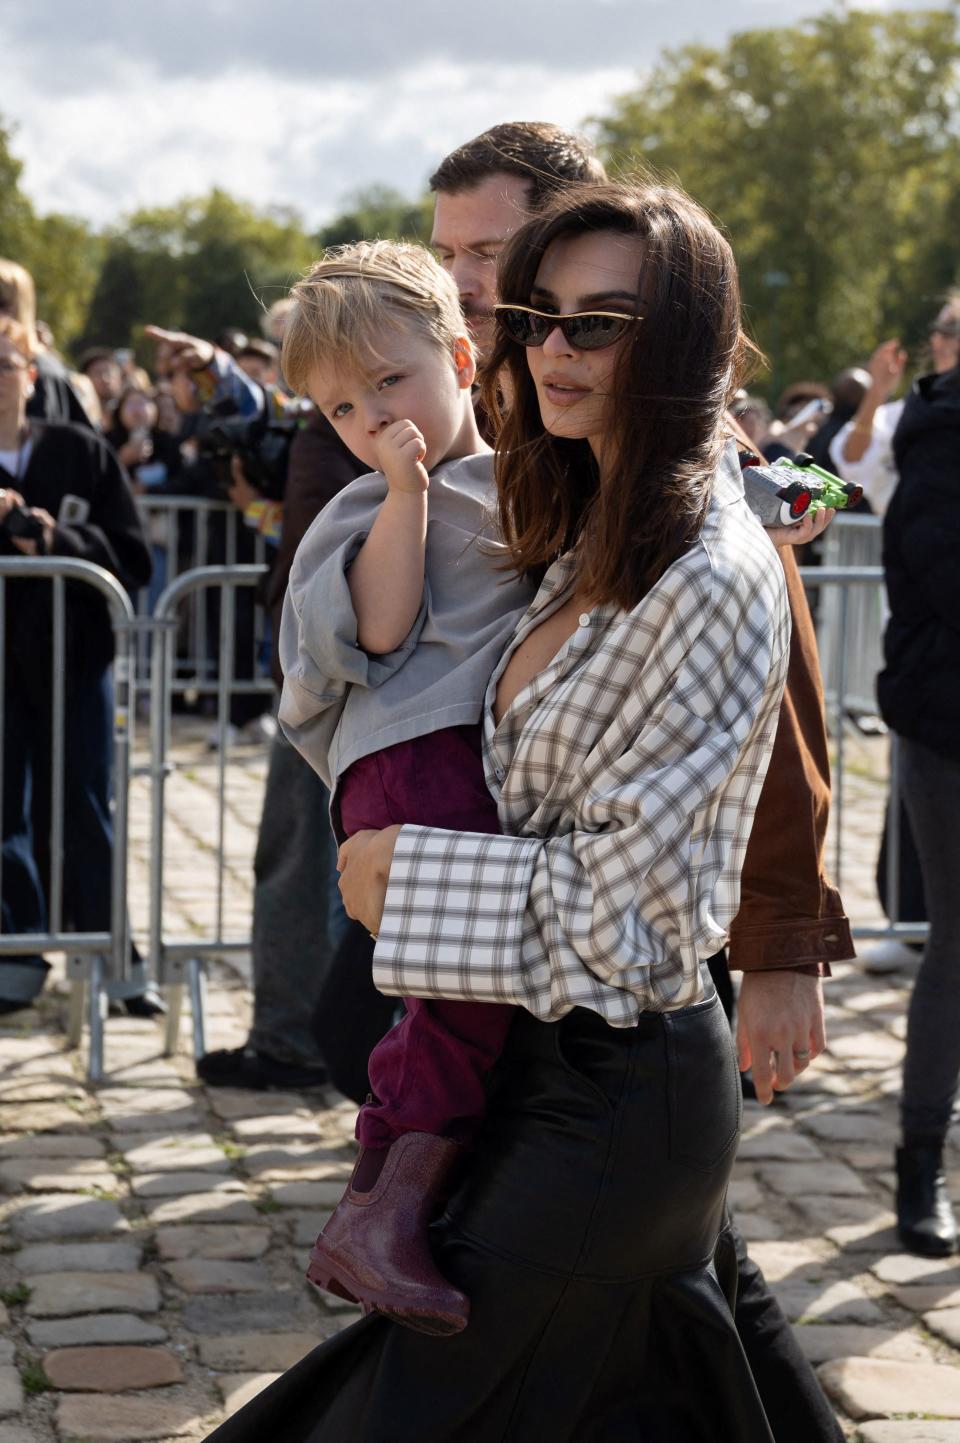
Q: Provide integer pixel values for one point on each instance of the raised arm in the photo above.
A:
(386, 578)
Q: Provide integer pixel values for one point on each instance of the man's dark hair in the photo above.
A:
(542, 154)
(92, 355)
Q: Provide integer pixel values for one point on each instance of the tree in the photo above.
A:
(829, 151)
(379, 212)
(199, 265)
(16, 212)
(61, 253)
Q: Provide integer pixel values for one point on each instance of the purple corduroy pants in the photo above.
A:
(429, 1073)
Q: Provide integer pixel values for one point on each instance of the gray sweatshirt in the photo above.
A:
(340, 703)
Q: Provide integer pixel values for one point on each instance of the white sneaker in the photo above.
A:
(232, 737)
(260, 731)
(887, 955)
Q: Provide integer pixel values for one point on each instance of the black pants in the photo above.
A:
(794, 1401)
(584, 1233)
(931, 793)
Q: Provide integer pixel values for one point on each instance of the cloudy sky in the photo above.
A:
(117, 105)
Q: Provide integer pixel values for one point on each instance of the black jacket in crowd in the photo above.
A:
(54, 398)
(72, 473)
(919, 688)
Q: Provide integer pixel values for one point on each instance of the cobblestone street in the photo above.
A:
(154, 1233)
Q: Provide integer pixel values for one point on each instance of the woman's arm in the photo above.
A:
(886, 367)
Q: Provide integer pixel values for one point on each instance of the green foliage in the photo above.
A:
(200, 265)
(34, 1379)
(376, 213)
(16, 213)
(829, 152)
(61, 253)
(15, 1296)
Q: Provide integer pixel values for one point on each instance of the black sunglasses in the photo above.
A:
(584, 330)
(944, 328)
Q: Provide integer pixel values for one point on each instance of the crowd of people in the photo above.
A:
(560, 701)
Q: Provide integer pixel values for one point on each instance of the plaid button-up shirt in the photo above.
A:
(626, 775)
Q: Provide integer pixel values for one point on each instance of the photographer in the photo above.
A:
(227, 414)
(63, 494)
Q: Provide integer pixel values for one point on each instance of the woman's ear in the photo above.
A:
(465, 362)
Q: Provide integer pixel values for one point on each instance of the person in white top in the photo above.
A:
(862, 450)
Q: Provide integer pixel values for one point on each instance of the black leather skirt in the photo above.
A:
(588, 1234)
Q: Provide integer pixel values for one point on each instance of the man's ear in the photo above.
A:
(465, 362)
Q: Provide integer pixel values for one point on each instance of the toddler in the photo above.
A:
(397, 611)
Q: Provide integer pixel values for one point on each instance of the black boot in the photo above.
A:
(925, 1221)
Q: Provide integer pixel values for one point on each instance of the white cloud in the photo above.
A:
(283, 142)
(121, 106)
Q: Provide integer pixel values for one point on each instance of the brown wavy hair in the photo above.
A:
(665, 412)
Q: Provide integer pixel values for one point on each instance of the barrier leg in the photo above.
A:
(97, 1006)
(197, 981)
(174, 1013)
(75, 1005)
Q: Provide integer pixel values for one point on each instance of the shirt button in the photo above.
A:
(584, 618)
(500, 773)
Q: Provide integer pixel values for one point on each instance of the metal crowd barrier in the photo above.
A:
(850, 642)
(179, 962)
(180, 532)
(93, 958)
(851, 597)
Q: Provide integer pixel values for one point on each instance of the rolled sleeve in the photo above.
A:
(610, 915)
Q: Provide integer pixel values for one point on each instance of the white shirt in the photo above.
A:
(876, 470)
(16, 462)
(626, 775)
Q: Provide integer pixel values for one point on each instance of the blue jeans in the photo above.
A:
(87, 829)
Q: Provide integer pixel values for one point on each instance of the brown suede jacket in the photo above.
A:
(790, 914)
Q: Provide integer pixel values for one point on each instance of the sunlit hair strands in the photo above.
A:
(356, 294)
(663, 422)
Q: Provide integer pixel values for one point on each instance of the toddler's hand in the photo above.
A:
(400, 451)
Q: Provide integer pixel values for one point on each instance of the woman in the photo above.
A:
(62, 493)
(626, 732)
(150, 454)
(919, 692)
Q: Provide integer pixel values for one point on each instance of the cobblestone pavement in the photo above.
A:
(153, 1233)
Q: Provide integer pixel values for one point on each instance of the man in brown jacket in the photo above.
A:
(293, 941)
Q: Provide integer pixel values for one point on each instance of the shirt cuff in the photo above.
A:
(453, 919)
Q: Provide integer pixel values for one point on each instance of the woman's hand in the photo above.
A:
(364, 863)
(814, 524)
(886, 367)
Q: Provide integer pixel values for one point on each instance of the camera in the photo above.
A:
(20, 522)
(262, 443)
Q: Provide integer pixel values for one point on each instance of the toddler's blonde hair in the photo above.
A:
(355, 293)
